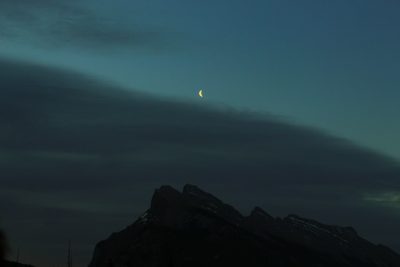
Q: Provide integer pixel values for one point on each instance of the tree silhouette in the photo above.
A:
(3, 248)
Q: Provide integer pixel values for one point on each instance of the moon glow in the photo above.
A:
(201, 93)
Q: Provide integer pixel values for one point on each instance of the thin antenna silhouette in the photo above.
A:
(69, 259)
(17, 258)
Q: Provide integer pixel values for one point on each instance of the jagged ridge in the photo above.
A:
(194, 228)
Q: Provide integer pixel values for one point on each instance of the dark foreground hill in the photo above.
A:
(15, 264)
(193, 228)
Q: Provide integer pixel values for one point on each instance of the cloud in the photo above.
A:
(68, 139)
(386, 198)
(62, 23)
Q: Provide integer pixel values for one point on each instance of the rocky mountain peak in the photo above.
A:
(194, 228)
(164, 196)
(166, 205)
(172, 207)
(343, 233)
(199, 199)
(258, 212)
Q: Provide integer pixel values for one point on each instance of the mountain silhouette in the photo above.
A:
(194, 228)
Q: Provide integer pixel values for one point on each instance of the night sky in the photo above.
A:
(99, 106)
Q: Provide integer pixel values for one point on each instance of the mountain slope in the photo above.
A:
(194, 228)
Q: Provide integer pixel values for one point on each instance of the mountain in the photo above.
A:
(194, 228)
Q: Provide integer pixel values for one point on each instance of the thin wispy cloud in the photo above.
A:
(62, 23)
(386, 198)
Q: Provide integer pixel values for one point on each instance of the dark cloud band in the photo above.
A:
(75, 151)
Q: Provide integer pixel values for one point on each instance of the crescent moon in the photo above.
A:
(201, 93)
